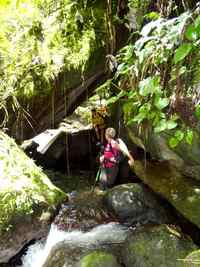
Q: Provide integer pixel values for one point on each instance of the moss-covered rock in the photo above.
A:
(98, 259)
(28, 198)
(192, 260)
(182, 193)
(160, 246)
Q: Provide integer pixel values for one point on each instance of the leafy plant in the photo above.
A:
(39, 40)
(158, 72)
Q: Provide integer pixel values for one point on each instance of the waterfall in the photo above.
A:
(106, 233)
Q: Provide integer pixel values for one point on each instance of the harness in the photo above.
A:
(111, 156)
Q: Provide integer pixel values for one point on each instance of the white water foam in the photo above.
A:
(107, 233)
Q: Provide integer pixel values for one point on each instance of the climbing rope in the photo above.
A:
(66, 136)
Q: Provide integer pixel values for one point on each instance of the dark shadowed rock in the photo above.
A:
(135, 203)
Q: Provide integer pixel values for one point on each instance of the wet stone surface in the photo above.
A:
(83, 213)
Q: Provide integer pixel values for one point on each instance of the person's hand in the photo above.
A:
(101, 159)
(131, 162)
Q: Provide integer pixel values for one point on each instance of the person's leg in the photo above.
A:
(103, 179)
(112, 175)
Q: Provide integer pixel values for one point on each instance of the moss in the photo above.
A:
(182, 193)
(157, 246)
(192, 260)
(99, 259)
(24, 188)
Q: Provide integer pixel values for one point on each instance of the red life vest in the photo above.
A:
(110, 153)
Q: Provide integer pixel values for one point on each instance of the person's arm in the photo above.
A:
(131, 159)
(123, 148)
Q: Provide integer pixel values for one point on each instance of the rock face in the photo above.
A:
(135, 204)
(28, 199)
(156, 246)
(184, 157)
(182, 193)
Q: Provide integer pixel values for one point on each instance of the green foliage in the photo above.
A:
(40, 39)
(13, 202)
(182, 52)
(23, 185)
(158, 69)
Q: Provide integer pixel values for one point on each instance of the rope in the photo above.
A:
(66, 136)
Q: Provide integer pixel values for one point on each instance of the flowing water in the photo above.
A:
(103, 234)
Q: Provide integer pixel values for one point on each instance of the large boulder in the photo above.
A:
(28, 199)
(161, 246)
(83, 211)
(136, 204)
(185, 157)
(182, 193)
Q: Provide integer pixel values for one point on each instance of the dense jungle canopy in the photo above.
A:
(155, 71)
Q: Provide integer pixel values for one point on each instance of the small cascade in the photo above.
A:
(103, 234)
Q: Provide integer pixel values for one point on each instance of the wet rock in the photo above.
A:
(182, 193)
(184, 157)
(156, 246)
(98, 259)
(135, 204)
(108, 238)
(83, 212)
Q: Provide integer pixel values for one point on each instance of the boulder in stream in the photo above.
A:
(136, 204)
(156, 246)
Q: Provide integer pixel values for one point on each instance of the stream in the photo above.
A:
(100, 236)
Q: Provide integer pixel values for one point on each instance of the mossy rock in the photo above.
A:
(28, 198)
(182, 193)
(24, 187)
(161, 246)
(98, 259)
(192, 260)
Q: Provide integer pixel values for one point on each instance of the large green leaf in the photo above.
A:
(197, 25)
(171, 124)
(191, 33)
(173, 142)
(179, 135)
(149, 85)
(197, 111)
(189, 137)
(162, 125)
(182, 52)
(161, 103)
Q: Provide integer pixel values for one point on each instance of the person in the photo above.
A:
(110, 159)
(99, 122)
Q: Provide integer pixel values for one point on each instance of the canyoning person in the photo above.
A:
(113, 152)
(99, 116)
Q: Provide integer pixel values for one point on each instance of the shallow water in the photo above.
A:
(103, 234)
